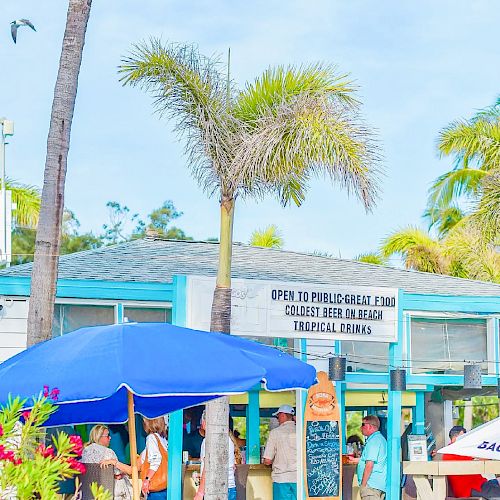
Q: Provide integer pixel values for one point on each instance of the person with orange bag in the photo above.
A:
(153, 461)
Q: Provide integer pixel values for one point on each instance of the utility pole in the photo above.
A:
(7, 130)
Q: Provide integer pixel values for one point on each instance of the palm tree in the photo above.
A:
(418, 249)
(48, 237)
(271, 137)
(462, 253)
(270, 237)
(475, 144)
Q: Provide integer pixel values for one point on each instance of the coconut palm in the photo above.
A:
(290, 124)
(462, 253)
(418, 249)
(475, 145)
(269, 237)
(48, 237)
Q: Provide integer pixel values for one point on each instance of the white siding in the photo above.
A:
(13, 326)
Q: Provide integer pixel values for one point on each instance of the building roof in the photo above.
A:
(157, 260)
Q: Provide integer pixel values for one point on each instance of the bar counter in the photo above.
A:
(252, 480)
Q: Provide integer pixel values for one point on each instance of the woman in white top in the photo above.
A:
(156, 436)
(97, 449)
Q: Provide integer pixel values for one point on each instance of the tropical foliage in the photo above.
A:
(270, 237)
(26, 200)
(122, 226)
(466, 234)
(372, 258)
(30, 468)
(463, 253)
(272, 137)
(474, 145)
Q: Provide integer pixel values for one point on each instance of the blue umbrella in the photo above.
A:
(108, 373)
(165, 367)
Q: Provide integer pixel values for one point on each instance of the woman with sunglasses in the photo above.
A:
(97, 450)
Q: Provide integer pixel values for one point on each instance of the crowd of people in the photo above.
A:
(280, 453)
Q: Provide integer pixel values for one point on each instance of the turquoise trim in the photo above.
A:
(496, 346)
(119, 313)
(450, 303)
(253, 427)
(179, 301)
(394, 415)
(94, 289)
(419, 414)
(302, 399)
(340, 390)
(175, 434)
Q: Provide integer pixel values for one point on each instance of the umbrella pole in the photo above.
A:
(133, 446)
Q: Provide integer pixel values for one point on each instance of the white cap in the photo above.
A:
(284, 409)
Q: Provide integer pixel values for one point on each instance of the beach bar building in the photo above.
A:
(381, 319)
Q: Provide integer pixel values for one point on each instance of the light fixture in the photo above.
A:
(336, 368)
(472, 376)
(398, 379)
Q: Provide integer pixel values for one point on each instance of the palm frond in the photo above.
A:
(310, 136)
(487, 212)
(270, 237)
(454, 184)
(281, 84)
(474, 142)
(191, 90)
(27, 200)
(372, 258)
(471, 255)
(417, 248)
(443, 218)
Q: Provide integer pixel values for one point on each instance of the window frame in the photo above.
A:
(491, 344)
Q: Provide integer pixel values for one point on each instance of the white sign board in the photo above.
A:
(299, 310)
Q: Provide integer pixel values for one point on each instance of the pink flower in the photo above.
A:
(45, 451)
(45, 391)
(7, 455)
(26, 415)
(1, 430)
(76, 466)
(77, 444)
(54, 394)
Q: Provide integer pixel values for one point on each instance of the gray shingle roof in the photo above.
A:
(156, 260)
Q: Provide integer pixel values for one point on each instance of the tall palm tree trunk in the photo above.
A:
(216, 449)
(48, 236)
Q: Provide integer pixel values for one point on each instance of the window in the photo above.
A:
(366, 356)
(148, 314)
(441, 346)
(69, 317)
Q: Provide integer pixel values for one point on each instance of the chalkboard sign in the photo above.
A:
(323, 458)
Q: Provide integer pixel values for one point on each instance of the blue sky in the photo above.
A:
(419, 65)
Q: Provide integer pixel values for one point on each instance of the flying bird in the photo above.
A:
(16, 24)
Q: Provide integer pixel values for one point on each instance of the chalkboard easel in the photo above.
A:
(322, 456)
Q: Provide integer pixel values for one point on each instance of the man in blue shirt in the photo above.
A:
(372, 465)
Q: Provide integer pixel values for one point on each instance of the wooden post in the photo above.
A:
(133, 446)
